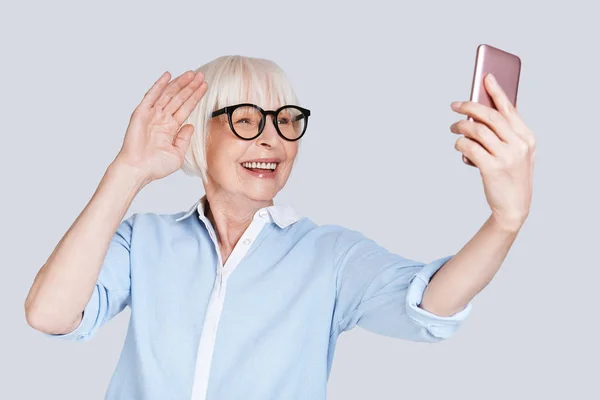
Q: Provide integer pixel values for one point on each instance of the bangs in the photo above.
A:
(252, 80)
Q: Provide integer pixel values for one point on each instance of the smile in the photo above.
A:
(260, 166)
(260, 169)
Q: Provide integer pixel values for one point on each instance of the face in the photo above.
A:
(227, 157)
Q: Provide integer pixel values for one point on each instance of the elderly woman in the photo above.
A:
(241, 298)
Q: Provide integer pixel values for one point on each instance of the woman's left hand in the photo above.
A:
(502, 147)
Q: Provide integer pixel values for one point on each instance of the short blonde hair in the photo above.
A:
(231, 80)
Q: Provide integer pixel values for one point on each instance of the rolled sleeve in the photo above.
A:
(381, 291)
(438, 326)
(112, 292)
(83, 330)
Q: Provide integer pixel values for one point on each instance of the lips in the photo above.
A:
(259, 169)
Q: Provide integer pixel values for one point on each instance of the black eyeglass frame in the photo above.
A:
(305, 113)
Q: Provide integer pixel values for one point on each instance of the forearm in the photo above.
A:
(455, 284)
(64, 284)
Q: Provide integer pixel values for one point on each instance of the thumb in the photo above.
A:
(182, 140)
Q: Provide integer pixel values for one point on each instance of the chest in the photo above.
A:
(271, 302)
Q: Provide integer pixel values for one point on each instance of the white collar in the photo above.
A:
(282, 215)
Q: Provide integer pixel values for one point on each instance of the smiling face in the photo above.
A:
(229, 169)
(220, 157)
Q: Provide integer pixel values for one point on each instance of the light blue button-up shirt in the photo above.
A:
(263, 326)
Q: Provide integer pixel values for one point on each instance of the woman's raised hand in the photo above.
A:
(155, 142)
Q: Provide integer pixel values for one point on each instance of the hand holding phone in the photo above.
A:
(505, 67)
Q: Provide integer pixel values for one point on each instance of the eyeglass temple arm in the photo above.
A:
(219, 112)
(298, 118)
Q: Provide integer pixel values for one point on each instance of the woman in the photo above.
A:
(239, 298)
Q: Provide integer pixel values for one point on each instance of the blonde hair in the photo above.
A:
(231, 80)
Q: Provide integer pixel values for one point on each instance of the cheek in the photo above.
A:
(223, 151)
(291, 150)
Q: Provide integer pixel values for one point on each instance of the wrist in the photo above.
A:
(136, 177)
(511, 225)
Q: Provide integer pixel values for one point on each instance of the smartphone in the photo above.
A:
(506, 67)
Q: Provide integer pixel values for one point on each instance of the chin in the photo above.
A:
(261, 194)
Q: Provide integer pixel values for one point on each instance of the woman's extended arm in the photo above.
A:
(454, 285)
(503, 149)
(64, 284)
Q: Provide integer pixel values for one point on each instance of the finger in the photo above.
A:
(156, 89)
(489, 116)
(173, 87)
(501, 100)
(474, 152)
(183, 94)
(182, 140)
(481, 133)
(503, 103)
(186, 109)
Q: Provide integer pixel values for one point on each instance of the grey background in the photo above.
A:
(378, 157)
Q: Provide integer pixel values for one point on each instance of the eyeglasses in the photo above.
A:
(247, 121)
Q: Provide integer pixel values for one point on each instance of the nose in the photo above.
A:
(269, 136)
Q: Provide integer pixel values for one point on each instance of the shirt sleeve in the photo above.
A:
(381, 292)
(112, 291)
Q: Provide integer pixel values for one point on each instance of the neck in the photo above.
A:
(230, 215)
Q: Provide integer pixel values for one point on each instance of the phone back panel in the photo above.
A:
(506, 67)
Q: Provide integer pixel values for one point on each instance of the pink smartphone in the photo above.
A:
(506, 67)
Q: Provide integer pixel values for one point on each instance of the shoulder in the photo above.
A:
(152, 218)
(152, 225)
(337, 238)
(334, 237)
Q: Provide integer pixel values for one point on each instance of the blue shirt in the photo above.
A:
(263, 326)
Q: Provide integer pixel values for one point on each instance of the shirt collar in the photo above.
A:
(282, 215)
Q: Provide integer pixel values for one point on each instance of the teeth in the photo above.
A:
(263, 165)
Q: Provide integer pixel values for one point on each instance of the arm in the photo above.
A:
(381, 291)
(454, 285)
(64, 284)
(502, 147)
(72, 293)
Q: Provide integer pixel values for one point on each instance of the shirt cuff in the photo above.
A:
(88, 321)
(439, 326)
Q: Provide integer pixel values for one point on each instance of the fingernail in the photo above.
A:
(491, 78)
(456, 104)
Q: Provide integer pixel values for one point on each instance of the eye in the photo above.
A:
(283, 121)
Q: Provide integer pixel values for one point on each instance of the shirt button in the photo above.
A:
(246, 241)
(262, 214)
